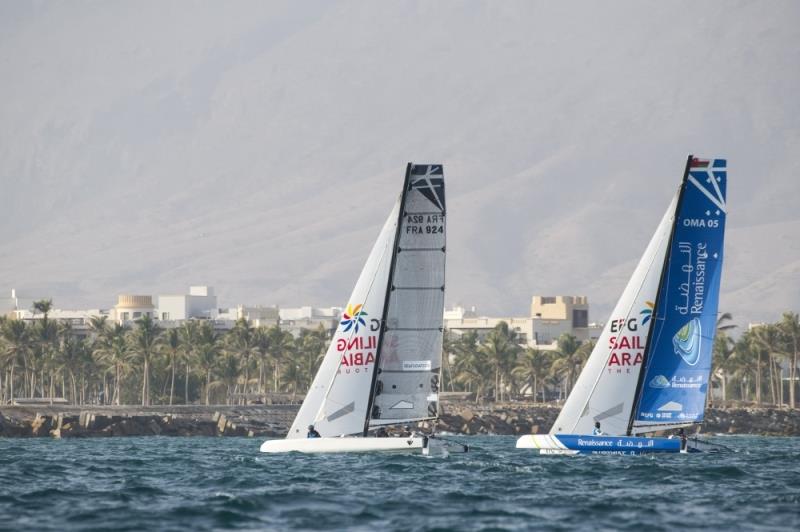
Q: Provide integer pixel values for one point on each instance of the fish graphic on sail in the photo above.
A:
(383, 363)
(650, 367)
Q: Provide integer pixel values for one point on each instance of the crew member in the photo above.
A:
(684, 439)
(597, 431)
(312, 432)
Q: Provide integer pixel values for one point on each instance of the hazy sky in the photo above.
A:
(258, 146)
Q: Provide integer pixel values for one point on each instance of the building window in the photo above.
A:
(125, 316)
(137, 315)
(548, 300)
(165, 316)
(580, 318)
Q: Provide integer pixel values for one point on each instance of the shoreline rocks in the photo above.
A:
(273, 421)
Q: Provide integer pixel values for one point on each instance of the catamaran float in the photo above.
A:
(382, 366)
(649, 370)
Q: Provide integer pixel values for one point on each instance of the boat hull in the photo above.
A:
(345, 445)
(571, 444)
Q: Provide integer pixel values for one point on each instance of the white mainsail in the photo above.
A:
(401, 335)
(337, 401)
(411, 350)
(606, 387)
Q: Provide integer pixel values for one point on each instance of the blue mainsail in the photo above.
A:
(674, 384)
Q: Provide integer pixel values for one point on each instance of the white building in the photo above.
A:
(295, 319)
(199, 303)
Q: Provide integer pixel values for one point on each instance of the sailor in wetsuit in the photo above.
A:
(312, 433)
(597, 431)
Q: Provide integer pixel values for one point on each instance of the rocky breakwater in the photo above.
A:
(67, 422)
(520, 418)
(273, 421)
(763, 421)
(509, 419)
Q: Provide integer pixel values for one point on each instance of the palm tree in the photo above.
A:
(45, 339)
(310, 346)
(747, 358)
(767, 338)
(570, 358)
(241, 341)
(790, 330)
(206, 352)
(70, 360)
(500, 347)
(263, 345)
(171, 343)
(449, 341)
(532, 367)
(16, 346)
(113, 349)
(229, 372)
(282, 346)
(189, 334)
(471, 367)
(722, 362)
(144, 344)
(724, 322)
(43, 306)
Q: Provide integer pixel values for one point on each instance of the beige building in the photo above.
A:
(130, 307)
(551, 316)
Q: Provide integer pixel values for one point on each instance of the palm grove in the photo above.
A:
(194, 363)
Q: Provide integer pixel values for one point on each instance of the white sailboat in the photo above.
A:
(382, 366)
(649, 370)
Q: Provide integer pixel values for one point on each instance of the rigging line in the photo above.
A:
(353, 332)
(628, 313)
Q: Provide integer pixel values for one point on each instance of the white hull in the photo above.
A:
(344, 445)
(545, 443)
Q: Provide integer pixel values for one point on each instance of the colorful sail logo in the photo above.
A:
(353, 317)
(647, 313)
(687, 342)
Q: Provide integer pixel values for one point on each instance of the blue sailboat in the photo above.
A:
(650, 368)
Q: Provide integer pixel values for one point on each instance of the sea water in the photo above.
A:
(161, 483)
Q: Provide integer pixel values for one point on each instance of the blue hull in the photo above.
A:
(619, 444)
(623, 445)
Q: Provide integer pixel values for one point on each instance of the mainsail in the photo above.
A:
(674, 384)
(613, 386)
(410, 354)
(393, 321)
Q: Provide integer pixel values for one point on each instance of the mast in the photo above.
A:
(389, 288)
(655, 318)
